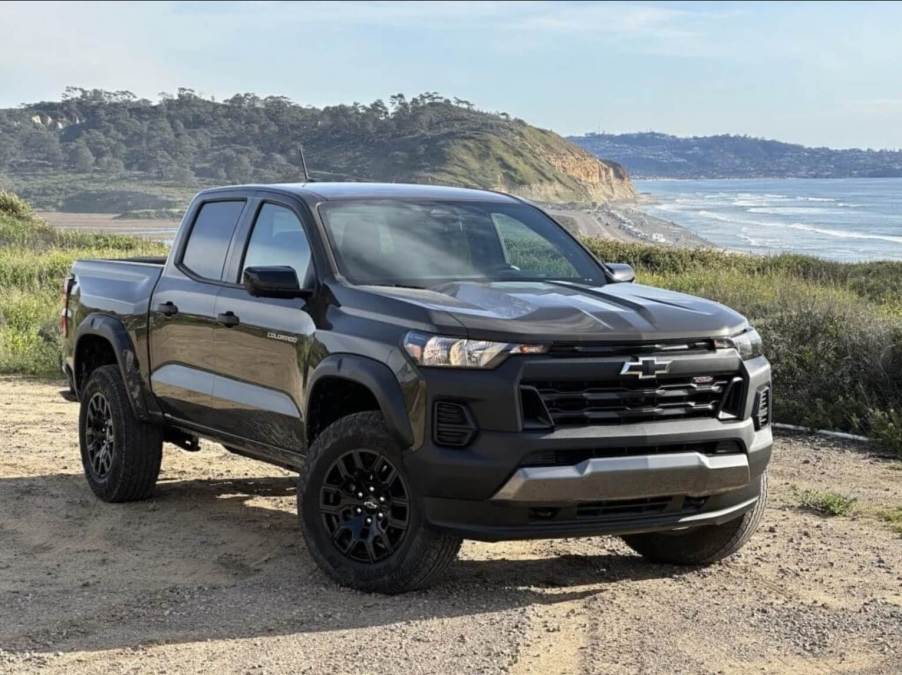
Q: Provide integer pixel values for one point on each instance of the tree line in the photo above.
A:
(185, 136)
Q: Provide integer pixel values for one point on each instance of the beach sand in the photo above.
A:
(623, 221)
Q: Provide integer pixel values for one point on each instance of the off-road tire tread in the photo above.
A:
(704, 546)
(139, 445)
(431, 551)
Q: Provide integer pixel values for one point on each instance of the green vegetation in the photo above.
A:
(892, 516)
(832, 331)
(34, 260)
(832, 504)
(824, 502)
(109, 151)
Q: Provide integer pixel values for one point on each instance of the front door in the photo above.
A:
(262, 352)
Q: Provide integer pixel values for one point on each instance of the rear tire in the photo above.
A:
(120, 454)
(361, 515)
(703, 545)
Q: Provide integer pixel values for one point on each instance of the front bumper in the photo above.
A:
(503, 521)
(489, 491)
(684, 473)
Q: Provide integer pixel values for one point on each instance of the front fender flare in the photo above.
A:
(375, 376)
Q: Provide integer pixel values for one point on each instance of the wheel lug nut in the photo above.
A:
(381, 499)
(372, 489)
(360, 494)
(379, 514)
(358, 510)
(369, 520)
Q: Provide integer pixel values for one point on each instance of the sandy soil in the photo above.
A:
(212, 575)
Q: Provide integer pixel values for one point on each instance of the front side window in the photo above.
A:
(208, 242)
(278, 239)
(415, 243)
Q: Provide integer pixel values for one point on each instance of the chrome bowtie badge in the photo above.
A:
(645, 368)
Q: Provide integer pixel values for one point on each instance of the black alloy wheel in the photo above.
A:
(100, 436)
(365, 506)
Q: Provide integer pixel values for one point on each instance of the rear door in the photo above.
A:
(183, 311)
(262, 356)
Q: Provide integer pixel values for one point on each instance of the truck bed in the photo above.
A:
(121, 287)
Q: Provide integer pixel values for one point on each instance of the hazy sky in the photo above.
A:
(819, 74)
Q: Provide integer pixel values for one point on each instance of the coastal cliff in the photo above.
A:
(93, 147)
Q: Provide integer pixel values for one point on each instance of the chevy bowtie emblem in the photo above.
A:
(645, 369)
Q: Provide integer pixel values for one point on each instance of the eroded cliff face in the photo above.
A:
(576, 179)
(602, 180)
(564, 172)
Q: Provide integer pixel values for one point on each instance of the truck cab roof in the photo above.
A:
(319, 192)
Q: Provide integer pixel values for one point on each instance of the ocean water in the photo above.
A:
(847, 219)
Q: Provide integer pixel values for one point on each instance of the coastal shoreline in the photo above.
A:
(624, 221)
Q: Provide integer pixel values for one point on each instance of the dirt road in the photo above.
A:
(212, 575)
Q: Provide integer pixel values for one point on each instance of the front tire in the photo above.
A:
(361, 515)
(120, 454)
(703, 545)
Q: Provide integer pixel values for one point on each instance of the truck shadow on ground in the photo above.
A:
(223, 559)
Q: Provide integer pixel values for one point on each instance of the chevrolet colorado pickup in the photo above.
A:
(436, 363)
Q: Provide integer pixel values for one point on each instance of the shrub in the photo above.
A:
(823, 502)
(886, 427)
(13, 205)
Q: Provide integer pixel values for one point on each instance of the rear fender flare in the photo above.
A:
(113, 331)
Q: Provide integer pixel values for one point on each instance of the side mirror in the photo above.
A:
(621, 272)
(274, 282)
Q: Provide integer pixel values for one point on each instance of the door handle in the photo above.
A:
(228, 319)
(168, 309)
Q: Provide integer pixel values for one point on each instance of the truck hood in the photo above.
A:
(560, 311)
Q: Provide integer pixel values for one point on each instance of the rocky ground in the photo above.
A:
(212, 575)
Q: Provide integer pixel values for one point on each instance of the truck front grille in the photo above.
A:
(579, 402)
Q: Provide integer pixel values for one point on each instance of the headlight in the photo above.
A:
(453, 352)
(747, 343)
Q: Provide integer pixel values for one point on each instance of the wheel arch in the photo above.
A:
(103, 340)
(358, 374)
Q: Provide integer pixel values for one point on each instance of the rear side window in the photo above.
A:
(278, 239)
(209, 240)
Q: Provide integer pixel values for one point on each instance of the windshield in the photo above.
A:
(398, 243)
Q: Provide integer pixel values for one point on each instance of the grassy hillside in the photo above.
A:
(109, 152)
(832, 331)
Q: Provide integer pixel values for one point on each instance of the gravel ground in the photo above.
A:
(212, 575)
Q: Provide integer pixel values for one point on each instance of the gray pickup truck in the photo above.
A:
(437, 364)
